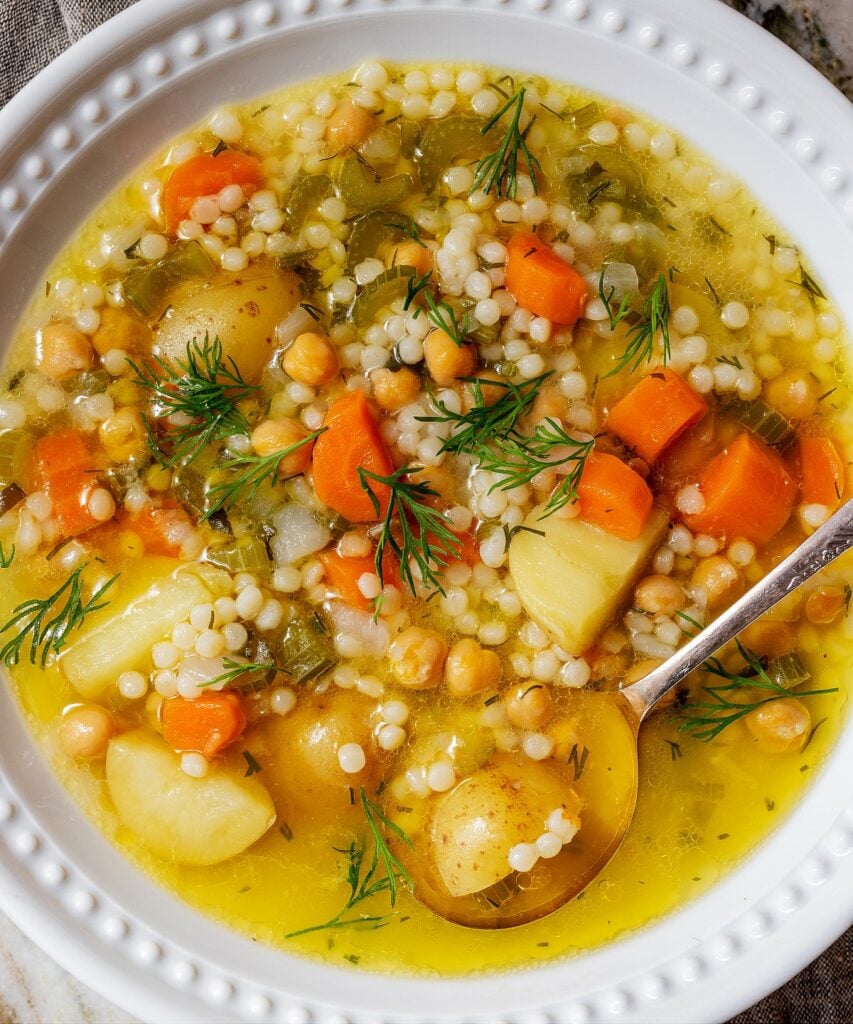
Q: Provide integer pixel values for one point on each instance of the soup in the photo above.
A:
(356, 449)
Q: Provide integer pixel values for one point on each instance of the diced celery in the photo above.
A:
(363, 190)
(241, 554)
(371, 230)
(146, 288)
(306, 195)
(381, 291)
(14, 448)
(764, 421)
(306, 649)
(788, 670)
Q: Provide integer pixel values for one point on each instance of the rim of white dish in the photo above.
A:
(60, 880)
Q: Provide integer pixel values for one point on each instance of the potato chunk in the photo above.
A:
(242, 310)
(188, 820)
(121, 636)
(474, 826)
(572, 579)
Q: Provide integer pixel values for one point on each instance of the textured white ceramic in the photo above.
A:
(80, 128)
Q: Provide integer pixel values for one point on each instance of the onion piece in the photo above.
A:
(620, 280)
(297, 534)
(297, 322)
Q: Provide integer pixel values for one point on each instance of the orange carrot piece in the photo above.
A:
(351, 442)
(343, 574)
(612, 496)
(821, 472)
(65, 470)
(162, 529)
(205, 175)
(747, 491)
(655, 412)
(207, 725)
(542, 282)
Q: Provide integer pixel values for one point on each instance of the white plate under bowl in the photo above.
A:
(80, 128)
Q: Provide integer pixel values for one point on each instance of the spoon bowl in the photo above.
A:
(595, 765)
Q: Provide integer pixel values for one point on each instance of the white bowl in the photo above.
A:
(75, 133)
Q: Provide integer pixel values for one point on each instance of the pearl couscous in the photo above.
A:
(355, 446)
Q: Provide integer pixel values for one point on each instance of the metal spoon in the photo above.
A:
(613, 720)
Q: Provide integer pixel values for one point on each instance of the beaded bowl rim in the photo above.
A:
(60, 880)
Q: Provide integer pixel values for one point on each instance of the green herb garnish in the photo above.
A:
(641, 335)
(413, 530)
(6, 560)
(367, 882)
(252, 765)
(484, 422)
(47, 623)
(707, 719)
(498, 172)
(415, 285)
(233, 669)
(202, 391)
(256, 470)
(517, 459)
(443, 316)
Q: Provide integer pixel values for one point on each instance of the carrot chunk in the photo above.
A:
(351, 442)
(206, 175)
(542, 282)
(162, 529)
(65, 470)
(208, 724)
(821, 471)
(747, 491)
(344, 572)
(655, 412)
(614, 497)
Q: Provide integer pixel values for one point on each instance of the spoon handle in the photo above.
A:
(824, 546)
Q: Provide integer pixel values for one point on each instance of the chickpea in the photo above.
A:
(659, 595)
(85, 730)
(446, 360)
(794, 394)
(566, 735)
(123, 434)
(769, 638)
(417, 658)
(63, 351)
(276, 435)
(349, 125)
(824, 605)
(393, 389)
(718, 578)
(410, 254)
(311, 359)
(488, 394)
(120, 330)
(780, 727)
(528, 706)
(471, 669)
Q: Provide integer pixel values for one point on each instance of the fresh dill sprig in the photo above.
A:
(413, 530)
(641, 335)
(256, 470)
(202, 391)
(484, 422)
(47, 623)
(443, 316)
(415, 285)
(366, 882)
(517, 459)
(707, 719)
(498, 171)
(6, 560)
(233, 669)
(409, 228)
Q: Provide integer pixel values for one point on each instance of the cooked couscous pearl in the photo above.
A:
(226, 125)
(689, 500)
(575, 673)
(132, 685)
(166, 683)
(194, 764)
(287, 580)
(202, 616)
(604, 133)
(165, 655)
(813, 516)
(101, 505)
(351, 758)
(210, 644)
(394, 712)
(270, 616)
(40, 505)
(391, 737)
(250, 600)
(234, 259)
(184, 636)
(441, 776)
(235, 636)
(282, 700)
(537, 746)
(50, 398)
(548, 845)
(523, 856)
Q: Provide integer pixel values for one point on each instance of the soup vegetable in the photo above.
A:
(356, 449)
